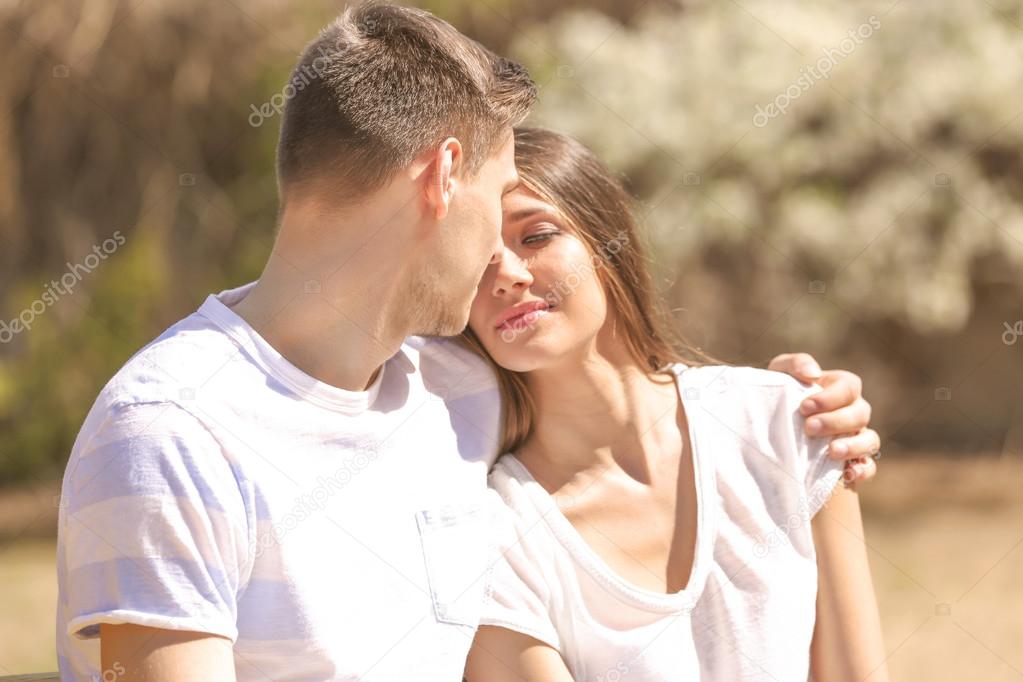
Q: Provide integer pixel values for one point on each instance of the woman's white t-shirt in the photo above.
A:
(748, 610)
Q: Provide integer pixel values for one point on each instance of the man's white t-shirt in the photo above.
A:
(329, 534)
(748, 610)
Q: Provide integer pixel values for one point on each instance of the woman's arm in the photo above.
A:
(847, 642)
(500, 655)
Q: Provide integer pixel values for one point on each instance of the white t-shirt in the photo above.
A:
(748, 610)
(329, 534)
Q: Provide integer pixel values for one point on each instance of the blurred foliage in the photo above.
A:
(877, 221)
(133, 118)
(917, 128)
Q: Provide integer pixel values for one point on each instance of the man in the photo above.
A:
(283, 485)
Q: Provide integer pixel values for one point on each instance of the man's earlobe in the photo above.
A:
(440, 191)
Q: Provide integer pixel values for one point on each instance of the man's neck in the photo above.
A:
(333, 310)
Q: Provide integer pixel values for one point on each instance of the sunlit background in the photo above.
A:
(841, 178)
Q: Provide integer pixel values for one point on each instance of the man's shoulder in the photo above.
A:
(144, 423)
(172, 366)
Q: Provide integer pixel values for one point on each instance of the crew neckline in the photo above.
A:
(217, 309)
(598, 569)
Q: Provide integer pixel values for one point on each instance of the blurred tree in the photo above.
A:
(131, 125)
(843, 177)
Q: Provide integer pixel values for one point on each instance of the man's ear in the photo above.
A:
(444, 165)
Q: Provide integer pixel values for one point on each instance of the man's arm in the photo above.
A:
(135, 653)
(155, 546)
(838, 410)
(501, 655)
(847, 642)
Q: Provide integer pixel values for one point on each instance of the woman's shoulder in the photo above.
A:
(746, 389)
(754, 413)
(521, 509)
(738, 375)
(748, 405)
(512, 481)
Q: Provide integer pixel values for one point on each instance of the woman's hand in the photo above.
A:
(839, 410)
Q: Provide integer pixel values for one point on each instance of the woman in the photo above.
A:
(661, 511)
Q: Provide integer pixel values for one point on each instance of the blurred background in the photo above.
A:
(839, 178)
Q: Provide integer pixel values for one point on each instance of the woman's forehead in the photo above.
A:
(521, 202)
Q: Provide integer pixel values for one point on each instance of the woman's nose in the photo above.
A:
(512, 273)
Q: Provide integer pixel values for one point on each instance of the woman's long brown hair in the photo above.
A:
(571, 178)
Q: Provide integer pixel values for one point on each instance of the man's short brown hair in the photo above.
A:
(382, 84)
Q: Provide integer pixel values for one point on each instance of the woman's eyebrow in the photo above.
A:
(523, 213)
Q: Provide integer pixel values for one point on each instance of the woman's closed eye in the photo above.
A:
(540, 237)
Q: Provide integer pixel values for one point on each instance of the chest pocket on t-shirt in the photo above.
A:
(455, 551)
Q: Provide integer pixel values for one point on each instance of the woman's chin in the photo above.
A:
(525, 355)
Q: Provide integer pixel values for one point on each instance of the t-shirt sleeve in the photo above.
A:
(518, 597)
(820, 473)
(153, 527)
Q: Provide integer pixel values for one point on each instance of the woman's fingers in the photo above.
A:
(857, 471)
(839, 410)
(855, 446)
(839, 389)
(800, 365)
(849, 419)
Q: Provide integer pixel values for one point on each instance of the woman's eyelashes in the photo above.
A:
(541, 236)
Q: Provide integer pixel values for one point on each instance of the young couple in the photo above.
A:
(292, 482)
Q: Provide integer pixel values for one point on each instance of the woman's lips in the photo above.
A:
(523, 321)
(522, 315)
